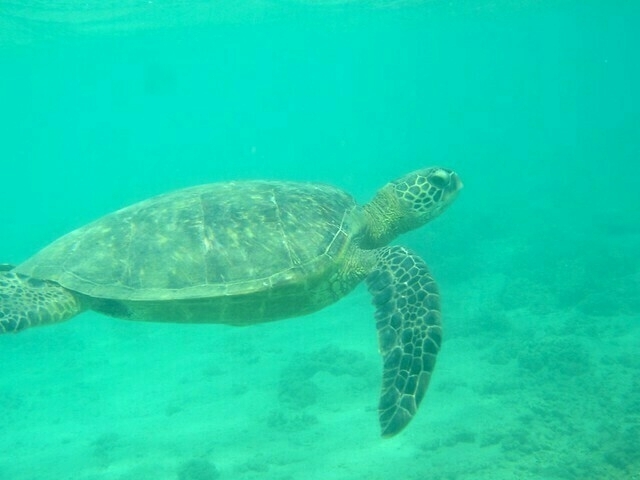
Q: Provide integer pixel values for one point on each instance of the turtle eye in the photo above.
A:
(439, 179)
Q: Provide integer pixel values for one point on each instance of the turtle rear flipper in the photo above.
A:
(409, 332)
(27, 302)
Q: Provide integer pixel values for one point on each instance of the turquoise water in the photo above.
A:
(534, 104)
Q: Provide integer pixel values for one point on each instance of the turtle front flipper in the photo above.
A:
(27, 302)
(409, 332)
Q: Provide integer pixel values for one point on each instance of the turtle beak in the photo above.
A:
(455, 184)
(453, 187)
(451, 190)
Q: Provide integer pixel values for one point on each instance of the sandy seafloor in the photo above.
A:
(538, 263)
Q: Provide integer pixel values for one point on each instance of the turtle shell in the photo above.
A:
(206, 241)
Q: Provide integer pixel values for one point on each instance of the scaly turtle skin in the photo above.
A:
(249, 252)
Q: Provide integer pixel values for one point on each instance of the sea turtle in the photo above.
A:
(247, 252)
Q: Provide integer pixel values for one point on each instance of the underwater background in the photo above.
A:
(535, 104)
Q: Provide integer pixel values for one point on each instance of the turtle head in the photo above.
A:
(424, 194)
(408, 203)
